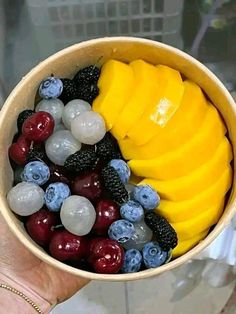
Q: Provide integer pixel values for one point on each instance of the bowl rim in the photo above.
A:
(114, 277)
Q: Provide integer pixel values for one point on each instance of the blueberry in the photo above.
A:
(132, 261)
(132, 211)
(50, 87)
(121, 230)
(153, 255)
(146, 196)
(55, 194)
(122, 168)
(36, 172)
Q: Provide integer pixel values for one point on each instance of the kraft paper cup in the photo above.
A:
(65, 64)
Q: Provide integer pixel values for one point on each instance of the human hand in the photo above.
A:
(22, 266)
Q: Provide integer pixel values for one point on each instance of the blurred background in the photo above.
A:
(31, 30)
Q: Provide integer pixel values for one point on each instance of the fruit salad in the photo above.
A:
(120, 169)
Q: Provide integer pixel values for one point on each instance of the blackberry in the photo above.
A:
(36, 153)
(162, 230)
(88, 92)
(22, 117)
(81, 161)
(69, 92)
(108, 149)
(87, 75)
(113, 185)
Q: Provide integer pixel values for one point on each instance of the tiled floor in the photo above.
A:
(99, 298)
(144, 297)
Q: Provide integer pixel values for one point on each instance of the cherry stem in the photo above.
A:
(31, 144)
(57, 227)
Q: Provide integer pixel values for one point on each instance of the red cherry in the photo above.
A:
(87, 185)
(58, 174)
(65, 246)
(19, 150)
(107, 212)
(38, 127)
(92, 244)
(39, 226)
(106, 256)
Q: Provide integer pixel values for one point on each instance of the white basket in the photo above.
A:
(59, 23)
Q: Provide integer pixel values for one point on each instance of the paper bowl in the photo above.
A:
(64, 64)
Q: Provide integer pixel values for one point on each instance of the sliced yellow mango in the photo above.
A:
(115, 86)
(156, 116)
(195, 182)
(189, 228)
(176, 212)
(189, 156)
(185, 246)
(181, 127)
(143, 95)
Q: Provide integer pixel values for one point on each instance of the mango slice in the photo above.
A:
(156, 116)
(189, 156)
(189, 228)
(193, 183)
(176, 212)
(186, 121)
(143, 95)
(185, 246)
(175, 141)
(115, 85)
